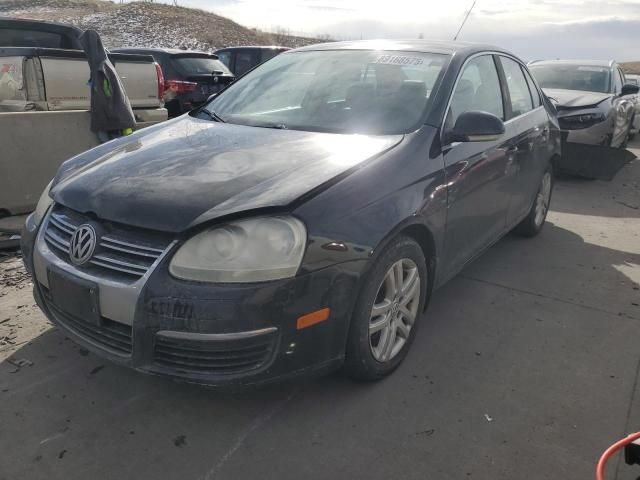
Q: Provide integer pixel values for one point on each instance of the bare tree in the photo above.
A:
(281, 35)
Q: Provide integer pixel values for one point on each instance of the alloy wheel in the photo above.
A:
(543, 199)
(394, 310)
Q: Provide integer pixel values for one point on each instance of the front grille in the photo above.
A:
(217, 357)
(123, 253)
(110, 335)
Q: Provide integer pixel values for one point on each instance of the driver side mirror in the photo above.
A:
(476, 126)
(629, 89)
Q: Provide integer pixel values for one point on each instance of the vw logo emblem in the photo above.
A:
(83, 243)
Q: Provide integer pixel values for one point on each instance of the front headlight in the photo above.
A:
(253, 250)
(585, 120)
(43, 205)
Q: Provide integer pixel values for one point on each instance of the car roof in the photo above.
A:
(168, 51)
(425, 46)
(584, 63)
(9, 22)
(261, 47)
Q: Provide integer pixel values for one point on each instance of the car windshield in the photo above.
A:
(572, 77)
(346, 91)
(201, 65)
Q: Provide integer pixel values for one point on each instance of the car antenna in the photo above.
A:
(464, 21)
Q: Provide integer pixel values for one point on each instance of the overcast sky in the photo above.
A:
(530, 28)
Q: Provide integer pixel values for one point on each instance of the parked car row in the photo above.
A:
(191, 77)
(299, 219)
(45, 104)
(242, 59)
(595, 102)
(597, 106)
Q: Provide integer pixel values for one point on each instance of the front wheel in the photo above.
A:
(533, 222)
(387, 311)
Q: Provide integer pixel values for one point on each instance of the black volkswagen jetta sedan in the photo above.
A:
(301, 219)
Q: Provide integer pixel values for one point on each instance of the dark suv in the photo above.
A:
(242, 59)
(190, 77)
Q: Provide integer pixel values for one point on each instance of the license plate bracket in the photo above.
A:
(75, 296)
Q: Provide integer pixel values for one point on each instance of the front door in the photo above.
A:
(478, 174)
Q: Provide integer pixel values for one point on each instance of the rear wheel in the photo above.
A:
(534, 221)
(387, 311)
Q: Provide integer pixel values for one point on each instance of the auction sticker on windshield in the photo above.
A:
(398, 60)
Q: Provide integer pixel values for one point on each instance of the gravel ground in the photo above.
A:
(525, 366)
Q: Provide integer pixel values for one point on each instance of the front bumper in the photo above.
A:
(219, 335)
(598, 134)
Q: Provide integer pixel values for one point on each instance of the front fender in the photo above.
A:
(357, 217)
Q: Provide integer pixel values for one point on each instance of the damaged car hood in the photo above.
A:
(575, 98)
(186, 171)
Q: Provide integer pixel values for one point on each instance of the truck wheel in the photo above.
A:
(387, 311)
(534, 221)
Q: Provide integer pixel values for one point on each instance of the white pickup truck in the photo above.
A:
(45, 102)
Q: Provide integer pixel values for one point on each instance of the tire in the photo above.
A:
(376, 345)
(534, 221)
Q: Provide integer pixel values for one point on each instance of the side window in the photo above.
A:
(518, 89)
(225, 57)
(268, 54)
(244, 62)
(478, 88)
(535, 95)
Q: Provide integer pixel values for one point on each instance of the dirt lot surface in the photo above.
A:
(526, 366)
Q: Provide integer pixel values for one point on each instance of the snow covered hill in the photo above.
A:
(145, 24)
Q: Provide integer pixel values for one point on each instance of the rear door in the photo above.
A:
(479, 174)
(528, 126)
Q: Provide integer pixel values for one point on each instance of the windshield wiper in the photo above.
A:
(279, 126)
(214, 116)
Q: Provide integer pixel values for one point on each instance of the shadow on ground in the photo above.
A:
(619, 198)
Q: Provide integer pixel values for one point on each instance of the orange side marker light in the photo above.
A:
(312, 318)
